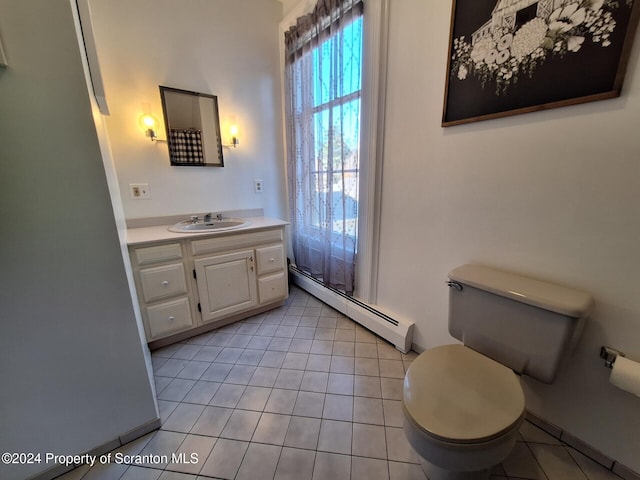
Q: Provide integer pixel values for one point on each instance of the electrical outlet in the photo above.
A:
(139, 191)
(257, 185)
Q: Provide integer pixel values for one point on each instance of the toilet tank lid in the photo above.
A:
(538, 293)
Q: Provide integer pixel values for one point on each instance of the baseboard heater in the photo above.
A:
(397, 332)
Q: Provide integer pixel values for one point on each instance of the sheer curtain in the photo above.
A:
(322, 99)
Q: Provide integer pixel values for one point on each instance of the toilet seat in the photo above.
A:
(457, 395)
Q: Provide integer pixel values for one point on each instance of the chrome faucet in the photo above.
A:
(207, 217)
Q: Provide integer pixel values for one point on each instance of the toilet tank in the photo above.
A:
(529, 325)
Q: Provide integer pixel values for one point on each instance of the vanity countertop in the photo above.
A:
(161, 233)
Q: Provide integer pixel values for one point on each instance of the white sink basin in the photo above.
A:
(189, 226)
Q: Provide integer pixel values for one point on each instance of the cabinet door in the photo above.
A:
(226, 284)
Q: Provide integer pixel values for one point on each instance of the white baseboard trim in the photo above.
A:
(399, 332)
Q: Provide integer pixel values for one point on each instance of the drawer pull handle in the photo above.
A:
(271, 260)
(165, 283)
(171, 318)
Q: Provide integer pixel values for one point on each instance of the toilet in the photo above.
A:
(463, 404)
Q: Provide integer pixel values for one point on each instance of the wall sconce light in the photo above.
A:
(233, 131)
(149, 124)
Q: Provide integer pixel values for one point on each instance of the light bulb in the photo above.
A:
(233, 130)
(148, 124)
(148, 121)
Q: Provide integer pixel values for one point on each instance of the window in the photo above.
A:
(335, 120)
(323, 92)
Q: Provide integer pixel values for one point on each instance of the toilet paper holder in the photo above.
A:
(609, 355)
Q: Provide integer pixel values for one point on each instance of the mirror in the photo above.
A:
(193, 128)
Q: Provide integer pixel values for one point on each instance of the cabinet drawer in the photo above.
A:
(270, 259)
(272, 287)
(237, 241)
(163, 282)
(157, 254)
(169, 317)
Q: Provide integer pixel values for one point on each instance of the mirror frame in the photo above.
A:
(218, 139)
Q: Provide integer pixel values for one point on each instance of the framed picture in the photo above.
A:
(508, 57)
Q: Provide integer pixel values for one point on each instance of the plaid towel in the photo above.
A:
(186, 147)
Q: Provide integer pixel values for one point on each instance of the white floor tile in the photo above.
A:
(212, 421)
(317, 395)
(163, 443)
(335, 437)
(309, 404)
(192, 454)
(303, 432)
(405, 471)
(225, 459)
(281, 401)
(369, 468)
(522, 464)
(254, 398)
(241, 425)
(141, 473)
(259, 462)
(272, 428)
(398, 448)
(338, 407)
(332, 466)
(556, 462)
(393, 414)
(368, 410)
(183, 417)
(202, 392)
(369, 441)
(295, 464)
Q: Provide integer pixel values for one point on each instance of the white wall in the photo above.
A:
(72, 365)
(552, 194)
(227, 48)
(288, 5)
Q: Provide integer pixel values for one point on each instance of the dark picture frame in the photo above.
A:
(508, 57)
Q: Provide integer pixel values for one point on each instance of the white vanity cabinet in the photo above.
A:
(239, 272)
(190, 285)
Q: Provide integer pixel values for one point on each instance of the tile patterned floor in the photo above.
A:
(300, 393)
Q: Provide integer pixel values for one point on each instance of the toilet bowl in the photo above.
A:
(463, 404)
(462, 412)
